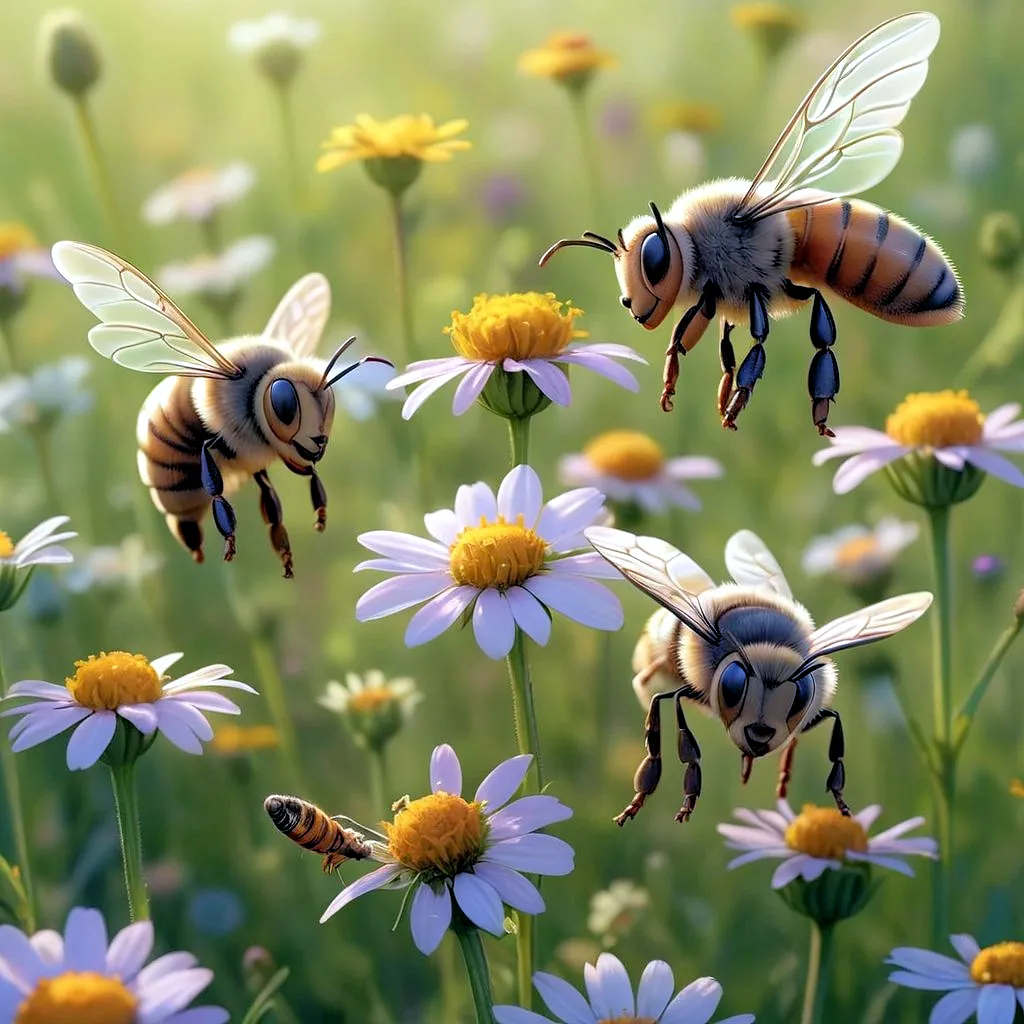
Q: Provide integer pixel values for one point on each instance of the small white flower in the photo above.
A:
(40, 546)
(126, 564)
(820, 839)
(199, 193)
(973, 152)
(859, 554)
(987, 984)
(82, 976)
(278, 27)
(614, 911)
(369, 689)
(222, 274)
(49, 393)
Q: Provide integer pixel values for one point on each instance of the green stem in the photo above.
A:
(379, 779)
(519, 440)
(273, 690)
(97, 165)
(476, 967)
(942, 702)
(209, 228)
(7, 343)
(291, 149)
(401, 275)
(819, 966)
(591, 164)
(965, 716)
(41, 442)
(126, 806)
(12, 785)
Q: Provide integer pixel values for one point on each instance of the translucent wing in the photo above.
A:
(301, 315)
(873, 623)
(660, 571)
(750, 562)
(140, 327)
(843, 137)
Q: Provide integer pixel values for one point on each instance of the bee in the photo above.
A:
(313, 829)
(750, 251)
(745, 652)
(228, 411)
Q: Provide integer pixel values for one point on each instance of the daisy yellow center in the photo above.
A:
(196, 176)
(371, 698)
(438, 833)
(6, 545)
(84, 997)
(107, 681)
(854, 551)
(522, 325)
(498, 554)
(937, 419)
(1001, 964)
(15, 238)
(240, 739)
(626, 454)
(825, 833)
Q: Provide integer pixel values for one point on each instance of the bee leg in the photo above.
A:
(823, 375)
(647, 776)
(273, 516)
(785, 770)
(690, 329)
(727, 357)
(746, 765)
(318, 495)
(689, 755)
(836, 751)
(752, 367)
(213, 484)
(190, 533)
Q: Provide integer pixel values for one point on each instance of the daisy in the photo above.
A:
(522, 333)
(21, 256)
(40, 546)
(819, 839)
(614, 911)
(505, 559)
(199, 193)
(80, 976)
(110, 566)
(631, 468)
(858, 554)
(946, 428)
(222, 274)
(986, 984)
(276, 42)
(48, 394)
(446, 847)
(374, 708)
(610, 998)
(107, 687)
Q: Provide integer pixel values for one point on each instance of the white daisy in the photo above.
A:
(117, 565)
(819, 839)
(222, 274)
(199, 193)
(614, 911)
(986, 984)
(630, 467)
(21, 256)
(507, 559)
(859, 554)
(448, 848)
(373, 707)
(49, 979)
(109, 687)
(40, 546)
(48, 394)
(611, 1001)
(273, 29)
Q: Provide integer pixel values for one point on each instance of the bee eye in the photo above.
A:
(731, 684)
(284, 400)
(804, 690)
(654, 258)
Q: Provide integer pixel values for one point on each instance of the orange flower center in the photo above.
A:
(108, 681)
(626, 454)
(938, 419)
(857, 550)
(498, 554)
(439, 833)
(6, 545)
(84, 997)
(825, 833)
(371, 698)
(1002, 964)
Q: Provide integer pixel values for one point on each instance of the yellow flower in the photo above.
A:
(15, 238)
(936, 420)
(773, 25)
(1017, 788)
(232, 740)
(569, 57)
(687, 116)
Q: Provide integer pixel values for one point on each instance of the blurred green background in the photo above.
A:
(172, 96)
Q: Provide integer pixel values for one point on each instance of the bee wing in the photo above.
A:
(140, 327)
(750, 562)
(875, 622)
(301, 315)
(661, 571)
(843, 138)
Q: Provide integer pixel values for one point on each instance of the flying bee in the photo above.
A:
(744, 652)
(227, 412)
(748, 251)
(313, 829)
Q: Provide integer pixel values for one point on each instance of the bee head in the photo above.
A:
(297, 413)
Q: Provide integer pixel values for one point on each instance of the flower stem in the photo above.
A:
(7, 343)
(942, 702)
(287, 114)
(519, 439)
(591, 164)
(98, 166)
(476, 967)
(12, 786)
(819, 966)
(272, 688)
(126, 806)
(41, 442)
(379, 778)
(401, 275)
(209, 227)
(965, 716)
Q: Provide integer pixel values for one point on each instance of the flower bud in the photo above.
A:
(70, 51)
(513, 396)
(833, 896)
(1000, 239)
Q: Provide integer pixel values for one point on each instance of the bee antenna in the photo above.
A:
(622, 240)
(338, 353)
(589, 240)
(659, 222)
(355, 366)
(601, 238)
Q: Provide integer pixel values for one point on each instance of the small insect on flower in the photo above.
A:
(313, 829)
(228, 412)
(748, 251)
(745, 652)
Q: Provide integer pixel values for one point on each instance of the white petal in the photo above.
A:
(399, 593)
(493, 624)
(695, 1004)
(475, 502)
(90, 739)
(860, 467)
(424, 391)
(615, 985)
(438, 614)
(442, 525)
(502, 782)
(655, 989)
(520, 494)
(406, 547)
(445, 771)
(129, 950)
(529, 614)
(583, 600)
(868, 816)
(368, 882)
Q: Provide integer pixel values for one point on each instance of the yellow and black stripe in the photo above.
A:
(313, 829)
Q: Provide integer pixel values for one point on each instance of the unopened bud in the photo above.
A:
(513, 396)
(258, 966)
(70, 51)
(1000, 239)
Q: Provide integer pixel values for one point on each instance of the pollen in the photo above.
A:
(499, 554)
(440, 834)
(825, 833)
(6, 545)
(15, 238)
(371, 699)
(1001, 964)
(856, 551)
(82, 996)
(626, 454)
(937, 419)
(105, 682)
(522, 325)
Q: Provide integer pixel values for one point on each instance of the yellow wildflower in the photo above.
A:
(569, 57)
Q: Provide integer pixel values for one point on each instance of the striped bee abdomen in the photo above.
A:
(877, 261)
(306, 824)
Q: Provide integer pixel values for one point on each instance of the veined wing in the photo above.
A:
(750, 562)
(301, 315)
(140, 327)
(661, 571)
(843, 138)
(875, 622)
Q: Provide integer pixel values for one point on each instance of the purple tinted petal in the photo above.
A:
(1000, 417)
(655, 989)
(860, 467)
(563, 1000)
(615, 985)
(480, 903)
(965, 945)
(90, 739)
(186, 714)
(520, 494)
(85, 941)
(424, 391)
(604, 366)
(535, 852)
(693, 467)
(23, 962)
(996, 464)
(997, 1004)
(206, 702)
(129, 949)
(528, 814)
(475, 502)
(399, 593)
(502, 782)
(406, 548)
(161, 1001)
(162, 966)
(445, 771)
(954, 1007)
(549, 378)
(361, 886)
(40, 689)
(929, 984)
(430, 917)
(514, 1015)
(591, 564)
(425, 369)
(178, 732)
(142, 716)
(44, 725)
(584, 601)
(569, 513)
(493, 624)
(442, 525)
(512, 887)
(438, 614)
(695, 1004)
(529, 614)
(595, 992)
(470, 387)
(924, 961)
(609, 349)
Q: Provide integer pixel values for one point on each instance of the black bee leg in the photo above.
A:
(690, 329)
(647, 776)
(727, 357)
(273, 516)
(823, 375)
(318, 495)
(836, 751)
(752, 366)
(689, 755)
(785, 770)
(213, 484)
